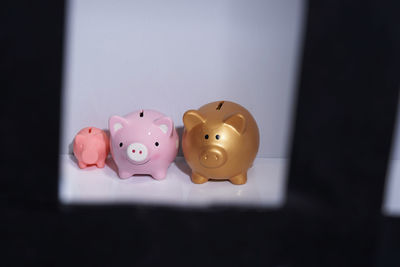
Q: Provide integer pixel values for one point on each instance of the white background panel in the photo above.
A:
(177, 55)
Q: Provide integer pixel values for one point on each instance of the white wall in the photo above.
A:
(176, 55)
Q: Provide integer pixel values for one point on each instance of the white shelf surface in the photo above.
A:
(265, 187)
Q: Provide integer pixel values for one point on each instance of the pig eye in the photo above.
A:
(217, 137)
(120, 144)
(206, 136)
(156, 143)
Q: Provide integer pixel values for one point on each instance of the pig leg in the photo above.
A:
(82, 165)
(159, 174)
(124, 174)
(198, 178)
(101, 164)
(239, 179)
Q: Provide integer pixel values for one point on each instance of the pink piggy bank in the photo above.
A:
(143, 142)
(91, 147)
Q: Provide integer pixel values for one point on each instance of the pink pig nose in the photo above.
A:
(137, 152)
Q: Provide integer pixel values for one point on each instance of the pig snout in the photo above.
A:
(213, 157)
(89, 157)
(137, 152)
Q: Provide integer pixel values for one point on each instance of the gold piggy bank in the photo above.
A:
(220, 141)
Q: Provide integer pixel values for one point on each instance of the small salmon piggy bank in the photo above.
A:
(143, 142)
(91, 147)
(220, 141)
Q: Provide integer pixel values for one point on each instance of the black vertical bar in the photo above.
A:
(344, 123)
(30, 66)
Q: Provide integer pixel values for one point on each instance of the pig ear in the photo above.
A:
(237, 122)
(165, 124)
(116, 123)
(192, 118)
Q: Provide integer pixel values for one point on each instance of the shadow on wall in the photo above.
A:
(181, 164)
(179, 130)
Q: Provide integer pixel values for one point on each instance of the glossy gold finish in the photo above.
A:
(220, 141)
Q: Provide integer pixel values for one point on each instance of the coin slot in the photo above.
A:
(220, 105)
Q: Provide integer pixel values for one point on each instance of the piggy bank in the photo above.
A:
(91, 147)
(143, 142)
(220, 141)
